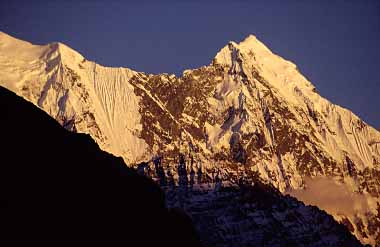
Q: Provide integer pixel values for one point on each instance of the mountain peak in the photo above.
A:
(29, 60)
(68, 54)
(250, 45)
(251, 36)
(251, 56)
(12, 46)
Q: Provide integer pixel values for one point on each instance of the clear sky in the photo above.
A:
(335, 44)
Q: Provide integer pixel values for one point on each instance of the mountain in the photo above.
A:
(250, 113)
(258, 215)
(58, 188)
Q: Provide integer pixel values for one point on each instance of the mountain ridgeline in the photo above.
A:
(250, 113)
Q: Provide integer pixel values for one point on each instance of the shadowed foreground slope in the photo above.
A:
(59, 188)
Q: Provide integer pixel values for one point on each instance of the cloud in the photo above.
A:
(332, 197)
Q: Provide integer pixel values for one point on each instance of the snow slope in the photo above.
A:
(80, 94)
(249, 113)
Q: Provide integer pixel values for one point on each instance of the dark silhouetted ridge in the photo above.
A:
(58, 188)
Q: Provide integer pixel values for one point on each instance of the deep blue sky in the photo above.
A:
(336, 44)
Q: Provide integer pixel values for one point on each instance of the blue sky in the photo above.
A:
(334, 43)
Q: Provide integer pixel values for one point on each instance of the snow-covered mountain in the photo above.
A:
(82, 189)
(250, 114)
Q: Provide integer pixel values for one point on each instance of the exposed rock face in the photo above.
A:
(249, 111)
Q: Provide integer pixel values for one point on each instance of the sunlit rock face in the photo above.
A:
(249, 112)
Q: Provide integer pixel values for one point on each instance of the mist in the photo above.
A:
(332, 197)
